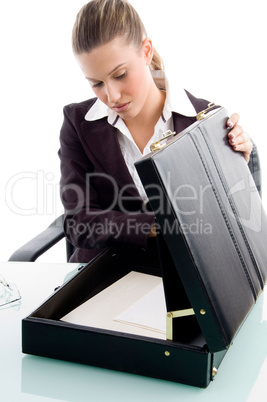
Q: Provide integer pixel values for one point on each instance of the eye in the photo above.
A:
(120, 77)
(98, 85)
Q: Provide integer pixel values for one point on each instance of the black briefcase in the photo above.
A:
(211, 230)
(210, 215)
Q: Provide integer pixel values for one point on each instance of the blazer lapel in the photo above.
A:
(103, 145)
(181, 122)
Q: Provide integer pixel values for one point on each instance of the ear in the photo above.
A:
(147, 50)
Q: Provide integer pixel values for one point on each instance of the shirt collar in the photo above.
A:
(176, 101)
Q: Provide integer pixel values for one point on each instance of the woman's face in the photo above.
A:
(119, 75)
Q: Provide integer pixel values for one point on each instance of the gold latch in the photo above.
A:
(175, 314)
(162, 142)
(203, 114)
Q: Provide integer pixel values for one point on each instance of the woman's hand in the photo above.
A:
(153, 232)
(238, 139)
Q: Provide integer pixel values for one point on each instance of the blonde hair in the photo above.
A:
(100, 21)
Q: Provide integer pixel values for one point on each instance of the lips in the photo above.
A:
(121, 107)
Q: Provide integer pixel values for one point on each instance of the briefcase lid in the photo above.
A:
(210, 215)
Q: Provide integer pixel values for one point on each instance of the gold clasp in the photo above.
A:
(203, 114)
(162, 142)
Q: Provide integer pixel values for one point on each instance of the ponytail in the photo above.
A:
(156, 62)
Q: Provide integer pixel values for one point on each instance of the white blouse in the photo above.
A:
(130, 151)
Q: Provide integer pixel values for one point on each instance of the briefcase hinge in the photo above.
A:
(203, 114)
(175, 314)
(162, 142)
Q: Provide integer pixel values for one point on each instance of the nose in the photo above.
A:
(113, 93)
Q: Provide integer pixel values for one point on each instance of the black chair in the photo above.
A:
(43, 242)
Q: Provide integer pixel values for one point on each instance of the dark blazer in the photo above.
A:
(101, 202)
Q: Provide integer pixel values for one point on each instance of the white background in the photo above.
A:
(215, 49)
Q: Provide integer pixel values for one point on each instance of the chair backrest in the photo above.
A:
(69, 249)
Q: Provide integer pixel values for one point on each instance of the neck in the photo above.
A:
(142, 126)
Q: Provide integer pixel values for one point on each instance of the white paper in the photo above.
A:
(134, 304)
(149, 312)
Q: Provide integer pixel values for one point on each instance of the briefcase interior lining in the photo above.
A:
(44, 334)
(92, 280)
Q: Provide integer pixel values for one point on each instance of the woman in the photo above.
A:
(101, 138)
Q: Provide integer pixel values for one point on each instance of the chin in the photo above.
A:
(129, 115)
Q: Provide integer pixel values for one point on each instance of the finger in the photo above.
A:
(233, 120)
(245, 146)
(246, 155)
(235, 132)
(241, 139)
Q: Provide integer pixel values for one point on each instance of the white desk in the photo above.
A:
(242, 375)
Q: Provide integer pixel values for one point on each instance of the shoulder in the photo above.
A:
(77, 111)
(74, 118)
